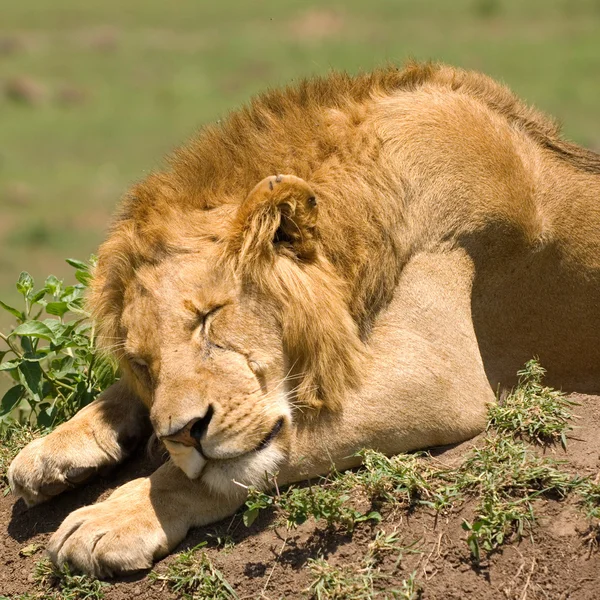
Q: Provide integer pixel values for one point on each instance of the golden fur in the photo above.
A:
(431, 233)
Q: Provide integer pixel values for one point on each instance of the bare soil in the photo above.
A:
(557, 561)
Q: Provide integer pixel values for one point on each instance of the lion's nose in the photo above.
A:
(193, 432)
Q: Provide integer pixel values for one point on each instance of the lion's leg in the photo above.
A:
(425, 384)
(99, 436)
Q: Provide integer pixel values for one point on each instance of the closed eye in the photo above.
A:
(207, 317)
(141, 369)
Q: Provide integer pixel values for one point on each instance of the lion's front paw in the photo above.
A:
(95, 439)
(123, 533)
(44, 469)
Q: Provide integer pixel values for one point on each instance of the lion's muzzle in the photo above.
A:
(193, 432)
(187, 446)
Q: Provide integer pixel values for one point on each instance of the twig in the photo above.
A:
(274, 565)
(524, 593)
(11, 345)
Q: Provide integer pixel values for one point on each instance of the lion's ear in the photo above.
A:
(278, 216)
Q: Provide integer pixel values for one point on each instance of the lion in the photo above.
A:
(352, 262)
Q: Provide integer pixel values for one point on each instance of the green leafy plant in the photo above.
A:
(192, 575)
(508, 477)
(51, 355)
(356, 582)
(407, 479)
(532, 410)
(296, 505)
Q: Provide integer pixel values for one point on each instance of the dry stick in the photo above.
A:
(274, 565)
(524, 593)
(426, 562)
(508, 590)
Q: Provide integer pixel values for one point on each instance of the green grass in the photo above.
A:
(356, 582)
(191, 575)
(409, 480)
(144, 75)
(507, 477)
(328, 501)
(12, 440)
(61, 584)
(534, 411)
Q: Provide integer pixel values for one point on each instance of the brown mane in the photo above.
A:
(312, 130)
(241, 147)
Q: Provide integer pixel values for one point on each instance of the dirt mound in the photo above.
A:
(557, 560)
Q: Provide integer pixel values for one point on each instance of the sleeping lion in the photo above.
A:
(348, 263)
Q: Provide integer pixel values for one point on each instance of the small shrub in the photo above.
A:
(337, 583)
(537, 413)
(407, 479)
(53, 362)
(358, 582)
(296, 505)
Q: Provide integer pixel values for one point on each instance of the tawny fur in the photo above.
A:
(428, 235)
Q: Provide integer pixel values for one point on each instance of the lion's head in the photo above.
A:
(226, 321)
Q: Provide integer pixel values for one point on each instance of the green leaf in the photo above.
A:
(32, 377)
(36, 356)
(25, 283)
(72, 293)
(250, 516)
(77, 308)
(11, 399)
(53, 285)
(57, 308)
(34, 329)
(83, 326)
(26, 344)
(46, 415)
(474, 547)
(78, 264)
(62, 367)
(56, 327)
(373, 516)
(10, 365)
(13, 311)
(84, 277)
(38, 296)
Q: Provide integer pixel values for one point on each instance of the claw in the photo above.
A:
(79, 474)
(54, 488)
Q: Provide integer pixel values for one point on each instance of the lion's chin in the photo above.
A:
(226, 476)
(254, 469)
(187, 458)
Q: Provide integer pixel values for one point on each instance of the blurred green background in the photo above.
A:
(93, 93)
